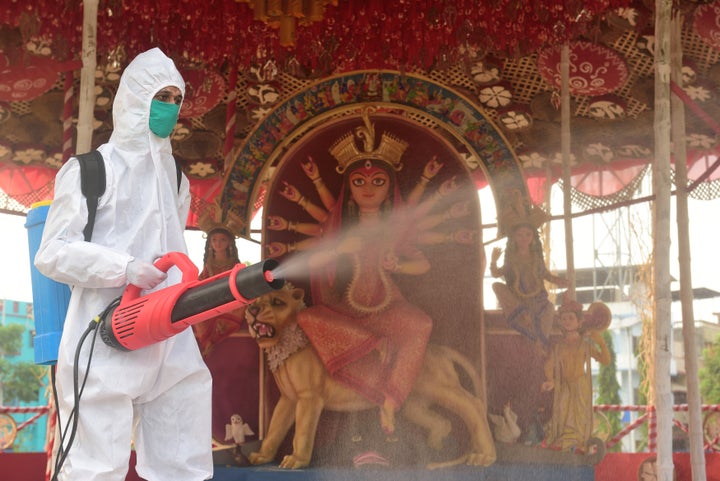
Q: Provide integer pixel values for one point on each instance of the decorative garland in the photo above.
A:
(352, 34)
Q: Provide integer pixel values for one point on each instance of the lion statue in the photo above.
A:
(306, 389)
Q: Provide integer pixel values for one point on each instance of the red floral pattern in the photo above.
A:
(706, 22)
(204, 89)
(26, 81)
(593, 70)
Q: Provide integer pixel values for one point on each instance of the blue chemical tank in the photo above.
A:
(50, 298)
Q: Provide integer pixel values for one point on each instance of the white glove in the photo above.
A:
(143, 274)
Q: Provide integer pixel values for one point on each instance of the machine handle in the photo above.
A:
(178, 259)
(181, 261)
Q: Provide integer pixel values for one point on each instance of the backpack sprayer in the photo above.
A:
(139, 321)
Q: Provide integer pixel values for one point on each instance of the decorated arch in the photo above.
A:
(486, 154)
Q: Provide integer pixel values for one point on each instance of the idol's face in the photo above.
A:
(569, 321)
(523, 236)
(219, 241)
(369, 188)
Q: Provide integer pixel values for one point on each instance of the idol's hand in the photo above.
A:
(448, 187)
(432, 168)
(463, 236)
(311, 169)
(457, 210)
(290, 192)
(275, 222)
(276, 249)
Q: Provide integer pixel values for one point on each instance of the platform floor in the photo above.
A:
(496, 472)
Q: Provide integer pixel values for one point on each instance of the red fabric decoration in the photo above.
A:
(706, 23)
(357, 35)
(624, 466)
(536, 188)
(27, 80)
(607, 179)
(701, 164)
(594, 69)
(27, 184)
(203, 191)
(204, 89)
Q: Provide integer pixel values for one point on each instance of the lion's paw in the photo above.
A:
(292, 462)
(259, 458)
(480, 459)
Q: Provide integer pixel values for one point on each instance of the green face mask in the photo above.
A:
(163, 117)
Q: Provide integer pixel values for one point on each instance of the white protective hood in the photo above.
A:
(134, 144)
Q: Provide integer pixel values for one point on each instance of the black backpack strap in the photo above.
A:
(178, 171)
(92, 185)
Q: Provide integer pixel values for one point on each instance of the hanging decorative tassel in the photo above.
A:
(285, 14)
(67, 148)
(230, 115)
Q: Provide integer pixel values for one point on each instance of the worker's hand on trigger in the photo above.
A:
(144, 274)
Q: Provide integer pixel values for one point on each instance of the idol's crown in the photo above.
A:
(346, 151)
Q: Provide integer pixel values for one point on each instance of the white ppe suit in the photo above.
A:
(158, 396)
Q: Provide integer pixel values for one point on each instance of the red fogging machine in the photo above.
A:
(139, 321)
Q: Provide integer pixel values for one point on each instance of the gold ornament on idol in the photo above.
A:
(346, 151)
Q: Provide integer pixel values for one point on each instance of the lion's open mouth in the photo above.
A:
(262, 330)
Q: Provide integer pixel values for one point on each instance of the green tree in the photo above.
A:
(710, 374)
(19, 381)
(11, 339)
(609, 387)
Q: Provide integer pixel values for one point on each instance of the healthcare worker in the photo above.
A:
(158, 397)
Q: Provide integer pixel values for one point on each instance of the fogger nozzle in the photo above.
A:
(139, 321)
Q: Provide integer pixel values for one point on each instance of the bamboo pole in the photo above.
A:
(697, 456)
(661, 243)
(565, 148)
(87, 77)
